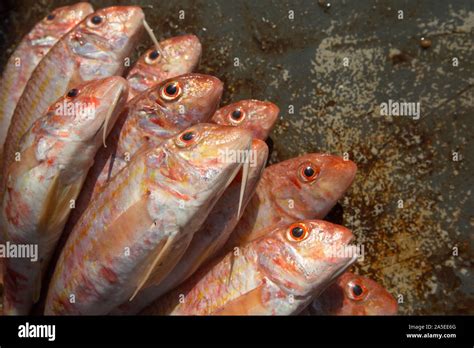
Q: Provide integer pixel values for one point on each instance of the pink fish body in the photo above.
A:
(32, 48)
(138, 227)
(95, 48)
(55, 156)
(209, 239)
(148, 120)
(277, 274)
(259, 118)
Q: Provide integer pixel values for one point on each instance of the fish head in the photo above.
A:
(177, 55)
(256, 115)
(103, 40)
(57, 23)
(88, 111)
(172, 106)
(199, 162)
(309, 186)
(305, 257)
(180, 55)
(353, 294)
(195, 97)
(204, 155)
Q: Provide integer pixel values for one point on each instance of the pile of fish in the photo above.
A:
(144, 198)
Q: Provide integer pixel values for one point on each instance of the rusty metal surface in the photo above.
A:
(299, 63)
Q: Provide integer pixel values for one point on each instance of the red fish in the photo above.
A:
(56, 154)
(138, 227)
(277, 274)
(304, 187)
(95, 48)
(32, 48)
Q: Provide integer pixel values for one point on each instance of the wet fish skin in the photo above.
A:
(209, 239)
(255, 115)
(147, 120)
(56, 154)
(353, 294)
(151, 119)
(152, 206)
(182, 57)
(88, 52)
(32, 48)
(285, 194)
(273, 275)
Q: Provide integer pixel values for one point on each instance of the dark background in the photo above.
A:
(337, 109)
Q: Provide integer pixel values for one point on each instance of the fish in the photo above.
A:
(56, 154)
(97, 47)
(138, 227)
(277, 274)
(353, 294)
(31, 49)
(148, 120)
(259, 118)
(304, 187)
(208, 240)
(255, 115)
(159, 114)
(181, 55)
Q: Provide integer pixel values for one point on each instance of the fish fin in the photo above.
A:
(168, 253)
(246, 304)
(245, 178)
(161, 253)
(55, 212)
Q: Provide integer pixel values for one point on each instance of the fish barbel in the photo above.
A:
(94, 49)
(182, 56)
(55, 156)
(208, 240)
(277, 274)
(255, 115)
(138, 227)
(305, 187)
(353, 294)
(32, 48)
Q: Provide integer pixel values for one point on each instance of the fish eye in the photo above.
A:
(308, 172)
(186, 138)
(72, 93)
(51, 16)
(171, 91)
(297, 232)
(95, 21)
(237, 116)
(356, 291)
(152, 57)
